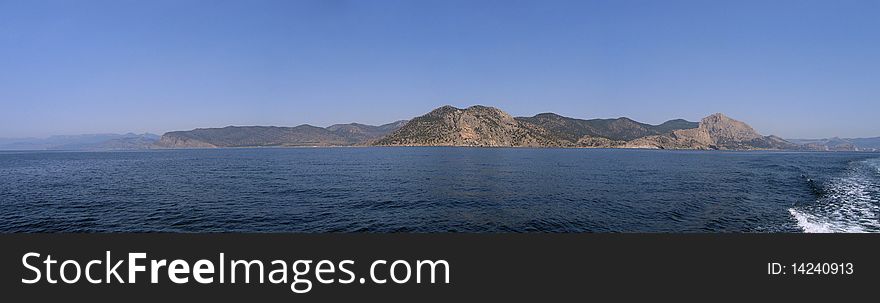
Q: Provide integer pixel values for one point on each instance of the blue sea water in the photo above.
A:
(438, 190)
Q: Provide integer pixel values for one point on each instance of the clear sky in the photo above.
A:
(794, 68)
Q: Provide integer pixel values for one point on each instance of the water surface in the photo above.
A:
(438, 190)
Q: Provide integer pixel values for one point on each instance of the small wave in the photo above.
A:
(875, 163)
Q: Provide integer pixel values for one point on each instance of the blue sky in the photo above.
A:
(792, 68)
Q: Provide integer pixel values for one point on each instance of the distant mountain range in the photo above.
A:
(840, 144)
(489, 126)
(82, 142)
(256, 136)
(479, 126)
(492, 127)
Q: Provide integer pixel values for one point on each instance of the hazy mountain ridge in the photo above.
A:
(268, 136)
(82, 142)
(840, 144)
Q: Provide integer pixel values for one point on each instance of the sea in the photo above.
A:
(439, 189)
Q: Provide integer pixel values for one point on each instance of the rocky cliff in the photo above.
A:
(716, 131)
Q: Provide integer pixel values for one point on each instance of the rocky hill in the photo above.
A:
(265, 136)
(473, 126)
(717, 131)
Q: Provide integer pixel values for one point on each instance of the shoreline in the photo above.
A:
(438, 146)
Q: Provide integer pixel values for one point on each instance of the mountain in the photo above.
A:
(474, 126)
(242, 136)
(674, 125)
(840, 144)
(867, 143)
(128, 142)
(254, 136)
(718, 131)
(362, 133)
(620, 129)
(81, 142)
(488, 126)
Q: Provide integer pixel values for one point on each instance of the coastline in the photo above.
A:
(442, 146)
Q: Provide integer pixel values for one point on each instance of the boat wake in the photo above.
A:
(848, 204)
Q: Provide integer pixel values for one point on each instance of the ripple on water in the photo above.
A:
(433, 190)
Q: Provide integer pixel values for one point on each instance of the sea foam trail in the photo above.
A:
(850, 205)
(813, 224)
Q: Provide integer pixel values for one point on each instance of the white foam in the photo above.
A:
(813, 224)
(850, 205)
